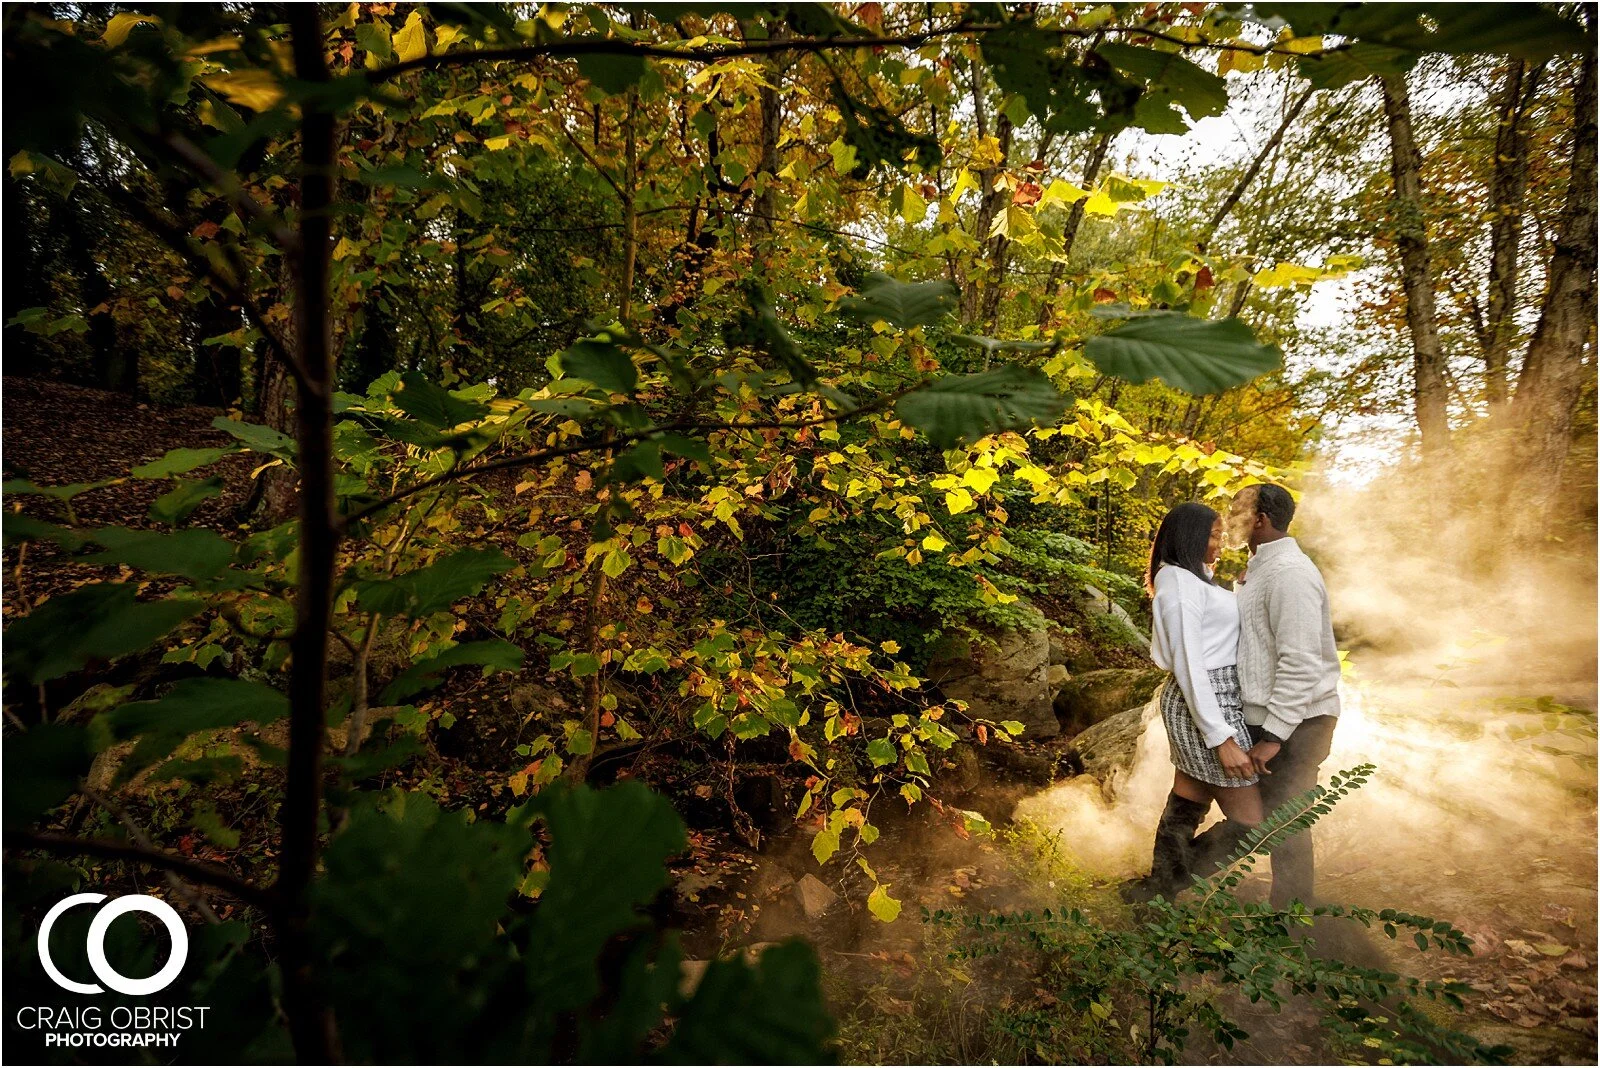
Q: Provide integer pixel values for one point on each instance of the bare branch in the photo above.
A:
(66, 845)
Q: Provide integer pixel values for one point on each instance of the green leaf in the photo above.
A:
(23, 487)
(965, 407)
(435, 587)
(1194, 355)
(191, 705)
(433, 405)
(1536, 34)
(881, 751)
(373, 37)
(600, 361)
(42, 768)
(772, 1013)
(102, 621)
(1066, 96)
(613, 73)
(1196, 89)
(197, 555)
(494, 654)
(21, 528)
(994, 346)
(607, 857)
(881, 139)
(1335, 70)
(257, 438)
(759, 328)
(181, 461)
(881, 905)
(902, 304)
(176, 505)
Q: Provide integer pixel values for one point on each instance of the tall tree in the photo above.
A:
(1560, 355)
(1430, 392)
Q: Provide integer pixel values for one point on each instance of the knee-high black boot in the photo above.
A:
(1172, 858)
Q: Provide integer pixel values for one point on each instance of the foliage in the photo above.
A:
(1150, 983)
(541, 326)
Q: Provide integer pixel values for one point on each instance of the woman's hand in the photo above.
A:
(1236, 763)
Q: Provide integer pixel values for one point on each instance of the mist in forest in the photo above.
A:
(1470, 686)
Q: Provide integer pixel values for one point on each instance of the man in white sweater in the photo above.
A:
(1288, 674)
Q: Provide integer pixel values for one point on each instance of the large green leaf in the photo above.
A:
(1530, 31)
(191, 705)
(760, 328)
(42, 769)
(777, 1002)
(1196, 89)
(197, 555)
(964, 407)
(881, 139)
(1194, 355)
(1066, 96)
(435, 587)
(602, 362)
(613, 73)
(607, 860)
(98, 622)
(257, 438)
(181, 461)
(902, 304)
(434, 405)
(21, 528)
(493, 653)
(1334, 70)
(187, 494)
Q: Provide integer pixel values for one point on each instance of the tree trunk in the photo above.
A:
(1416, 275)
(1231, 201)
(1553, 373)
(1069, 229)
(1508, 185)
(311, 1023)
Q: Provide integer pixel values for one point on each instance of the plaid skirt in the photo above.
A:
(1190, 754)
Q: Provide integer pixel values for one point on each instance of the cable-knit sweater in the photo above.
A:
(1288, 662)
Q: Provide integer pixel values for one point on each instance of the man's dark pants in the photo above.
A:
(1294, 771)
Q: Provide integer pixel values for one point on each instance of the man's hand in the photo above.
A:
(1236, 763)
(1261, 753)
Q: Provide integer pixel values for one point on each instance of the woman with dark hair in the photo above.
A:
(1196, 637)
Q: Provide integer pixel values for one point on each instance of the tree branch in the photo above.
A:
(65, 845)
(559, 451)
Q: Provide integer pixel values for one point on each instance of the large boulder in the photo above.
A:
(1006, 680)
(1094, 696)
(1109, 750)
(1111, 621)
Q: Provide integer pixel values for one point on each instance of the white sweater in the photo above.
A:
(1288, 661)
(1196, 630)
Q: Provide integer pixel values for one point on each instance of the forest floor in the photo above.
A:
(1514, 868)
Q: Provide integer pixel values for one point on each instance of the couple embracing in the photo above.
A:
(1253, 698)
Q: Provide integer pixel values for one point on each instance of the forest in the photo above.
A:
(608, 533)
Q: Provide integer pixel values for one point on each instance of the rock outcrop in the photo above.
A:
(1094, 696)
(1007, 680)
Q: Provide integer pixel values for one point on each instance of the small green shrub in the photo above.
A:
(1139, 992)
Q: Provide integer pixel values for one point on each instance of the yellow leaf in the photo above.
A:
(934, 544)
(882, 906)
(980, 478)
(1061, 192)
(958, 501)
(120, 26)
(412, 40)
(256, 89)
(1303, 45)
(495, 144)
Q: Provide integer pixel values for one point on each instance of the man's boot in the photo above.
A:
(1172, 858)
(1212, 848)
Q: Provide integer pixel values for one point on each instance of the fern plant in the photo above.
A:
(1141, 991)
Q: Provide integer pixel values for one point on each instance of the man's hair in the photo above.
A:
(1276, 504)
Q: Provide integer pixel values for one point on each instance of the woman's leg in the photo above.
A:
(1242, 807)
(1172, 857)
